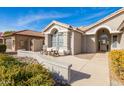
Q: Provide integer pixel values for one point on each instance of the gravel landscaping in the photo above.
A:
(26, 59)
(19, 71)
(58, 82)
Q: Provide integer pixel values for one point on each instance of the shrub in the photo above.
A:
(2, 48)
(117, 62)
(15, 73)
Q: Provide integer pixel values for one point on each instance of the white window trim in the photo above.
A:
(57, 41)
(117, 42)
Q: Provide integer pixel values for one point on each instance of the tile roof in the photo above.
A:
(28, 33)
(63, 25)
(86, 28)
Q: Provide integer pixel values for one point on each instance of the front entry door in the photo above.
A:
(103, 45)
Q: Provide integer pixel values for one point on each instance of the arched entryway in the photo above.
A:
(103, 40)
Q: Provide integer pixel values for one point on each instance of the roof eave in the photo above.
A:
(105, 19)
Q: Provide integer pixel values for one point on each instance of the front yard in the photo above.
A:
(117, 67)
(17, 72)
(25, 71)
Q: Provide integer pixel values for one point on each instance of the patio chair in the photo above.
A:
(61, 52)
(55, 52)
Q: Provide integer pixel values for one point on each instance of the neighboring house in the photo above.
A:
(1, 38)
(25, 39)
(104, 35)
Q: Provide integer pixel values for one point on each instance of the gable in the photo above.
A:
(56, 23)
(113, 23)
(60, 27)
(55, 26)
(121, 27)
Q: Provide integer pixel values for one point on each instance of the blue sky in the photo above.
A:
(37, 18)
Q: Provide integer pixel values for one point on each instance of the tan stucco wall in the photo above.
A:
(28, 44)
(67, 40)
(83, 44)
(48, 40)
(121, 41)
(69, 36)
(12, 45)
(31, 43)
(90, 43)
(76, 43)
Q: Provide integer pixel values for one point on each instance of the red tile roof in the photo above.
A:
(27, 33)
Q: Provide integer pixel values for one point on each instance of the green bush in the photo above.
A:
(6, 33)
(2, 48)
(117, 62)
(15, 73)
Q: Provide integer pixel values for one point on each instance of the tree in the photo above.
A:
(8, 33)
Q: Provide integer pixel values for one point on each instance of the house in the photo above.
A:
(105, 35)
(1, 38)
(26, 39)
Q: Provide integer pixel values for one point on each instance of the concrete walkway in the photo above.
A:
(86, 72)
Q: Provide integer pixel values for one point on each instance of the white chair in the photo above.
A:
(55, 51)
(61, 51)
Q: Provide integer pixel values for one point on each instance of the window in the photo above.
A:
(54, 41)
(60, 39)
(115, 41)
(57, 39)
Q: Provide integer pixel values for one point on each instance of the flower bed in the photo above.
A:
(117, 63)
(16, 73)
(57, 82)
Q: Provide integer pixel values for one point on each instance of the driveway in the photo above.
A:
(88, 69)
